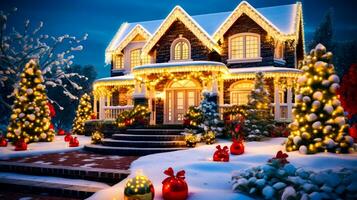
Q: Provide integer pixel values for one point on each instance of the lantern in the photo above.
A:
(3, 142)
(68, 137)
(74, 142)
(237, 147)
(174, 187)
(21, 145)
(139, 188)
(221, 155)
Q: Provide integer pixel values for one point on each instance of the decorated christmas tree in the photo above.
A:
(319, 121)
(259, 121)
(83, 114)
(30, 119)
(210, 116)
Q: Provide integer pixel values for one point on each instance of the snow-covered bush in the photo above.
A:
(280, 180)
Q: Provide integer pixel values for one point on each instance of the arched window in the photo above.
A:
(240, 91)
(180, 49)
(244, 46)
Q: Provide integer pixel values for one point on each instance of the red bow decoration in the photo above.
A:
(74, 142)
(221, 155)
(68, 137)
(21, 145)
(281, 158)
(174, 187)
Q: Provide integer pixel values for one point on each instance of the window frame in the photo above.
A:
(141, 60)
(173, 48)
(235, 90)
(281, 59)
(244, 59)
(118, 59)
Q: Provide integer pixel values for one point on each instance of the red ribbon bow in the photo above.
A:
(170, 172)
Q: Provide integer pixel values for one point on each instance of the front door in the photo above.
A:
(178, 102)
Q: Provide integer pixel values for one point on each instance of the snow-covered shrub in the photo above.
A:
(280, 180)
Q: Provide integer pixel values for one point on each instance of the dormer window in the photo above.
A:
(135, 57)
(244, 47)
(180, 49)
(118, 62)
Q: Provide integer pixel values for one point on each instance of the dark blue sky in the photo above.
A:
(101, 18)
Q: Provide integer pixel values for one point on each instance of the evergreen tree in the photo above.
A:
(319, 121)
(30, 120)
(211, 120)
(83, 114)
(324, 33)
(259, 121)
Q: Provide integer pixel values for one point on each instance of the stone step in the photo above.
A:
(110, 176)
(152, 131)
(143, 144)
(133, 137)
(128, 151)
(51, 185)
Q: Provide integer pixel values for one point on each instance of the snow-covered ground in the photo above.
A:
(211, 180)
(58, 145)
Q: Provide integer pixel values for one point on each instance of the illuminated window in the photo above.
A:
(180, 49)
(279, 51)
(135, 57)
(244, 46)
(118, 62)
(136, 60)
(240, 92)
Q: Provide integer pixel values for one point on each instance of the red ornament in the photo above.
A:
(68, 137)
(93, 116)
(21, 145)
(74, 142)
(174, 187)
(353, 132)
(52, 109)
(237, 147)
(52, 126)
(61, 132)
(221, 155)
(3, 142)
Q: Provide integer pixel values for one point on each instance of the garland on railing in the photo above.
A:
(139, 115)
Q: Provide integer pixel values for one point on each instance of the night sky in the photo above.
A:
(101, 18)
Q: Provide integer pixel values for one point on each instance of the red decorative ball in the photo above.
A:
(174, 187)
(221, 155)
(61, 132)
(52, 126)
(21, 146)
(74, 142)
(93, 116)
(237, 147)
(3, 142)
(68, 137)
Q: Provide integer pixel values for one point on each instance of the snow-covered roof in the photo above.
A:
(284, 18)
(127, 79)
(185, 66)
(263, 69)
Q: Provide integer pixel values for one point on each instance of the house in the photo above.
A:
(167, 63)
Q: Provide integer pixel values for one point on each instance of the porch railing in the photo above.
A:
(112, 112)
(283, 110)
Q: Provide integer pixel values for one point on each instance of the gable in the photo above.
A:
(163, 47)
(179, 14)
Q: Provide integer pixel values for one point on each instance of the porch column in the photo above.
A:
(276, 99)
(108, 100)
(289, 99)
(151, 107)
(221, 92)
(95, 111)
(101, 107)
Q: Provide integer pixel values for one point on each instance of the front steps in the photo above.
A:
(139, 142)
